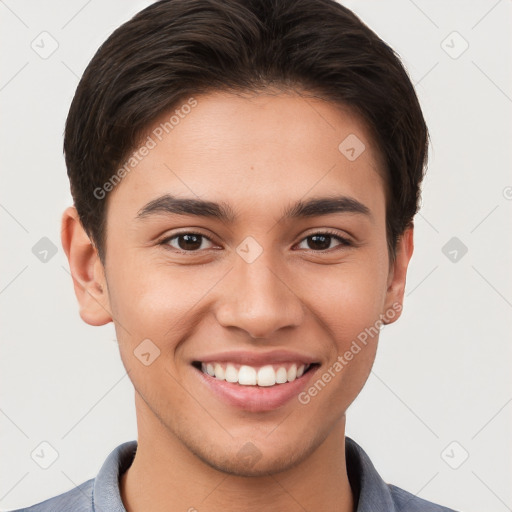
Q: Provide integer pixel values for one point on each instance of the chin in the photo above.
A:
(251, 459)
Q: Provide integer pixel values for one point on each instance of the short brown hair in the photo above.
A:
(174, 49)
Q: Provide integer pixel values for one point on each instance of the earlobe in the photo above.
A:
(86, 269)
(397, 277)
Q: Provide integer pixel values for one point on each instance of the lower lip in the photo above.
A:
(256, 398)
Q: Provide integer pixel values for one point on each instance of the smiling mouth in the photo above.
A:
(260, 376)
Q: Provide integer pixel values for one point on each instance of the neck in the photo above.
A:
(166, 476)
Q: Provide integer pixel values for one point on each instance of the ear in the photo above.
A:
(86, 270)
(397, 277)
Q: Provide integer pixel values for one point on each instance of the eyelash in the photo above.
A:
(343, 241)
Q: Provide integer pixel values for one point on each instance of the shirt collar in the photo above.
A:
(106, 495)
(371, 493)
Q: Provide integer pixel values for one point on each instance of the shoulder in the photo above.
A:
(78, 499)
(97, 494)
(406, 502)
(373, 494)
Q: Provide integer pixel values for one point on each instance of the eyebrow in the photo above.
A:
(171, 205)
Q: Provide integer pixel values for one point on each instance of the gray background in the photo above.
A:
(440, 390)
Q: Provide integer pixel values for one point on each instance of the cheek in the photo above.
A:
(160, 303)
(349, 298)
(143, 303)
(350, 311)
(350, 308)
(153, 312)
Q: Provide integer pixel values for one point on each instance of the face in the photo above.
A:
(235, 318)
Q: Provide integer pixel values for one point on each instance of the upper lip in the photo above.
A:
(257, 358)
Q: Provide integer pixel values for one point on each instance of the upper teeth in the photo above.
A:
(245, 375)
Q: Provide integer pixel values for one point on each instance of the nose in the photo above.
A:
(259, 299)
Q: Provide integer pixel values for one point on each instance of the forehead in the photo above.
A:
(249, 150)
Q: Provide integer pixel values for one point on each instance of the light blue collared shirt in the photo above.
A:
(102, 494)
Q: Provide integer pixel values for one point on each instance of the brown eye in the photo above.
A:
(186, 242)
(322, 241)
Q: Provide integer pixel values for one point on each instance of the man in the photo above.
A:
(245, 176)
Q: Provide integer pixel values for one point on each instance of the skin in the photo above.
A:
(258, 153)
